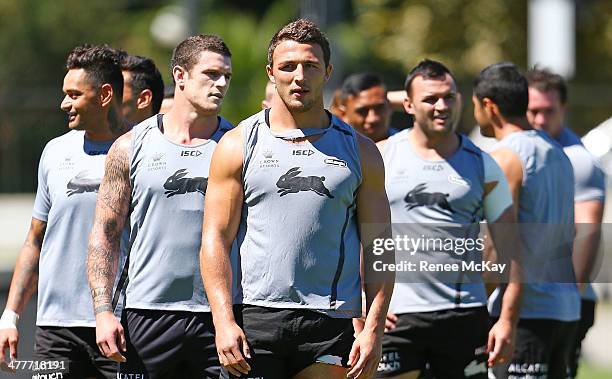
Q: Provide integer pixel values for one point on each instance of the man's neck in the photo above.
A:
(281, 118)
(509, 126)
(100, 136)
(106, 129)
(435, 146)
(183, 125)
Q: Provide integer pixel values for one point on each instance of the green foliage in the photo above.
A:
(466, 35)
(383, 36)
(248, 38)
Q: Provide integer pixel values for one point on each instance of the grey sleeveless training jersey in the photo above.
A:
(589, 177)
(168, 187)
(298, 239)
(546, 198)
(71, 168)
(455, 187)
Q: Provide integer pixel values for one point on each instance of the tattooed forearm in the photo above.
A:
(101, 270)
(111, 214)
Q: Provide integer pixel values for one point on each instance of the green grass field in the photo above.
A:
(591, 372)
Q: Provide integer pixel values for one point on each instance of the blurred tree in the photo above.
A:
(464, 35)
(247, 35)
(382, 36)
(35, 37)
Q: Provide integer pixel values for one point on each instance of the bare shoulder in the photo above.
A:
(117, 163)
(233, 139)
(371, 160)
(506, 158)
(509, 162)
(367, 148)
(229, 152)
(121, 147)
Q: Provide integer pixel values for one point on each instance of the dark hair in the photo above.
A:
(101, 64)
(169, 92)
(187, 52)
(356, 83)
(545, 80)
(302, 31)
(145, 75)
(428, 69)
(505, 86)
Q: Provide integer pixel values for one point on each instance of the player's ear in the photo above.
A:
(328, 71)
(180, 75)
(106, 94)
(408, 105)
(490, 107)
(269, 73)
(145, 97)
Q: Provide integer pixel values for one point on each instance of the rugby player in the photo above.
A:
(437, 177)
(157, 175)
(541, 180)
(55, 251)
(143, 88)
(293, 183)
(363, 104)
(546, 111)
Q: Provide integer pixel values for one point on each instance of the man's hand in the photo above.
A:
(365, 355)
(390, 321)
(110, 337)
(9, 337)
(501, 342)
(232, 348)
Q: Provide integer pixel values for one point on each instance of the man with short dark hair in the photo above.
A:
(54, 253)
(270, 92)
(293, 184)
(143, 89)
(440, 187)
(542, 184)
(155, 181)
(363, 105)
(546, 111)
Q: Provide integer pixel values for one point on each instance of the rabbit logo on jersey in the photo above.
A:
(81, 183)
(417, 197)
(178, 184)
(290, 182)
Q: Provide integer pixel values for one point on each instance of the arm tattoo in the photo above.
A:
(111, 214)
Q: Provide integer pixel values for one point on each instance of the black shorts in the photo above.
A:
(283, 342)
(587, 319)
(169, 344)
(542, 350)
(77, 348)
(449, 343)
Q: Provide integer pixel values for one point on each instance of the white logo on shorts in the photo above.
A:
(474, 368)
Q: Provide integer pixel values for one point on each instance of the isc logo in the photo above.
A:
(306, 152)
(191, 153)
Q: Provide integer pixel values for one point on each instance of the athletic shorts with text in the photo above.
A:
(542, 350)
(76, 347)
(450, 344)
(283, 342)
(169, 344)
